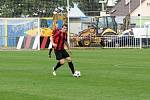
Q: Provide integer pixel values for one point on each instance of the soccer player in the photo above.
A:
(58, 40)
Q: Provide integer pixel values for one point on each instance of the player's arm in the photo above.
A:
(66, 43)
(52, 41)
(54, 35)
(68, 47)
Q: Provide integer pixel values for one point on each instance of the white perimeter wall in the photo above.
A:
(75, 26)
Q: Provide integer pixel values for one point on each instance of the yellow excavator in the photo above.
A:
(105, 25)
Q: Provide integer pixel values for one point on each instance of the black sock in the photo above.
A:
(50, 51)
(57, 66)
(71, 67)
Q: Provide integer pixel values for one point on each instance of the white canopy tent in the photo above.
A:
(75, 12)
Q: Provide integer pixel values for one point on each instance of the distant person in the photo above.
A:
(51, 49)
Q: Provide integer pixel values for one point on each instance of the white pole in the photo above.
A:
(140, 24)
(129, 7)
(140, 14)
(68, 22)
(39, 33)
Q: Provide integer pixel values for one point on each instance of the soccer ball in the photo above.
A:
(77, 74)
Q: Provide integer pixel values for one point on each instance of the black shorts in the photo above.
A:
(61, 54)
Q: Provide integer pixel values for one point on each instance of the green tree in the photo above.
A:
(41, 8)
(32, 8)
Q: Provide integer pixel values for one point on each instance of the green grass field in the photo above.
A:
(107, 74)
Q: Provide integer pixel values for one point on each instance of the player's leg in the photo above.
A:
(68, 58)
(61, 61)
(70, 64)
(59, 64)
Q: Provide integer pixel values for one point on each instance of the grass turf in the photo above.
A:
(107, 74)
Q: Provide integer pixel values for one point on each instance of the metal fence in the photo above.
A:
(110, 41)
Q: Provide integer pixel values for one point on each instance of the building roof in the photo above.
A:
(75, 12)
(122, 9)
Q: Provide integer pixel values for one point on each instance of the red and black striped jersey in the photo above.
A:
(59, 38)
